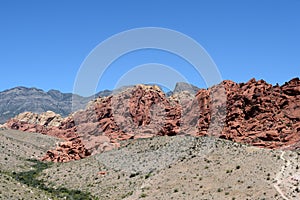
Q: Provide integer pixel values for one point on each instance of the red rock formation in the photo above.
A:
(260, 114)
(67, 151)
(254, 112)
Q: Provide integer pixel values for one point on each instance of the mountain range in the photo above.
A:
(22, 99)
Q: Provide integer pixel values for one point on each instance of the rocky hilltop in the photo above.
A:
(255, 113)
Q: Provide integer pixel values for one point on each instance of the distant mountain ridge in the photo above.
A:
(20, 99)
(183, 86)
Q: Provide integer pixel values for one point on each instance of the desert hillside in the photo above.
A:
(178, 167)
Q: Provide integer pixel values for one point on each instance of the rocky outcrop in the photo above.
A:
(255, 112)
(138, 112)
(67, 151)
(263, 115)
(48, 118)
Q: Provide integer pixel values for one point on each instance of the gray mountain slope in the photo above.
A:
(20, 99)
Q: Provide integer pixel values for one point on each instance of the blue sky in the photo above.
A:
(43, 43)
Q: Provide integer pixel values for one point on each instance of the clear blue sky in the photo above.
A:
(43, 43)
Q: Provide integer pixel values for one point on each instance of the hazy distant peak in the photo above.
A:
(183, 86)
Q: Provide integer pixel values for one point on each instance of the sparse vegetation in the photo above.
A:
(30, 178)
(143, 195)
(148, 175)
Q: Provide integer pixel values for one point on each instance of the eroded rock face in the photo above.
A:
(48, 118)
(138, 112)
(254, 112)
(262, 114)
